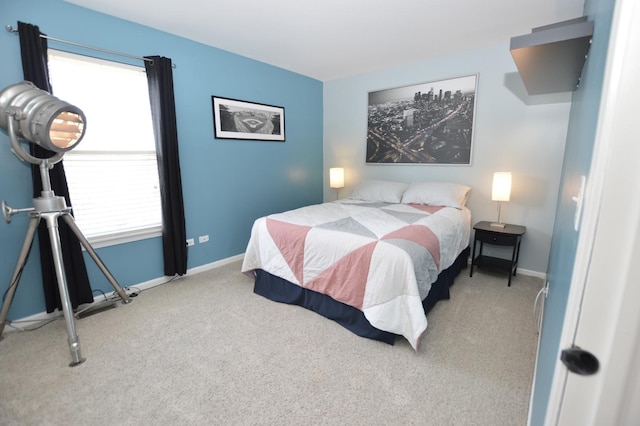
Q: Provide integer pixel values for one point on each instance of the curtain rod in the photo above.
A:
(13, 29)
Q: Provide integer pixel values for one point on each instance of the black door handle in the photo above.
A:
(580, 361)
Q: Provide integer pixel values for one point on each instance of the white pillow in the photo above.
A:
(379, 190)
(437, 194)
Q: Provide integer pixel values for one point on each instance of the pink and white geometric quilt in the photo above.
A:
(380, 258)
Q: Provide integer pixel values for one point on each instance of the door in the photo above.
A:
(602, 316)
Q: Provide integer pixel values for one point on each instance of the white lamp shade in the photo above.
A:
(336, 177)
(501, 190)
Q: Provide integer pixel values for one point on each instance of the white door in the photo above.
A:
(603, 314)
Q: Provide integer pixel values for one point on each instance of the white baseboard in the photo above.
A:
(527, 272)
(44, 316)
(530, 273)
(215, 264)
(202, 268)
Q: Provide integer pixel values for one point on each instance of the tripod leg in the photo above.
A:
(85, 243)
(56, 248)
(15, 278)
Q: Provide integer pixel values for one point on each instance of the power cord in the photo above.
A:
(44, 323)
(131, 292)
(19, 274)
(537, 311)
(135, 291)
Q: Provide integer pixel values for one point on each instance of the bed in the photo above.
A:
(375, 262)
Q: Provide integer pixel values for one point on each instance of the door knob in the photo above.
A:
(580, 361)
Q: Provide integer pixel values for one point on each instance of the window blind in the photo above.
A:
(114, 192)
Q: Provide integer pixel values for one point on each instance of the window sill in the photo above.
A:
(114, 239)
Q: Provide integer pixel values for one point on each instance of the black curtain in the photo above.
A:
(33, 49)
(163, 111)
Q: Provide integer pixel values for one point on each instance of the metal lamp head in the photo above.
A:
(41, 118)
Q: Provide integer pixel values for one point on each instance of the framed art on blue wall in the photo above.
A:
(427, 123)
(235, 119)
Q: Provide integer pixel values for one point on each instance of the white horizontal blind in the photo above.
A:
(112, 173)
(101, 204)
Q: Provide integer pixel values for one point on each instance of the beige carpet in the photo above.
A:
(205, 349)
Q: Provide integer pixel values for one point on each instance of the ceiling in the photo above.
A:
(331, 39)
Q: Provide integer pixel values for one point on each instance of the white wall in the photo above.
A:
(512, 132)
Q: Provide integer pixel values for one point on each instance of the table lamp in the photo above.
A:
(336, 179)
(501, 191)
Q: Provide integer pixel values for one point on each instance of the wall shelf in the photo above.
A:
(551, 58)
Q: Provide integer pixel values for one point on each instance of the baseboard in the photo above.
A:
(215, 264)
(530, 273)
(100, 299)
(43, 316)
(527, 272)
(202, 268)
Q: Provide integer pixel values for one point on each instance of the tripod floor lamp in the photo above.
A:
(35, 116)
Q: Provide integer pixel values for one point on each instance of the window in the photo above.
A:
(112, 173)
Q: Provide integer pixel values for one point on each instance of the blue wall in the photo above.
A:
(577, 162)
(227, 184)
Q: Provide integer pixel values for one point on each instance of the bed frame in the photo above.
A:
(281, 290)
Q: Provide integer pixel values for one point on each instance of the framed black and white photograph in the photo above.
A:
(427, 123)
(235, 119)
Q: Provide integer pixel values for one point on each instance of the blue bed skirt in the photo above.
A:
(280, 290)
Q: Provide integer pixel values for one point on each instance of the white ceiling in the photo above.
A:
(331, 39)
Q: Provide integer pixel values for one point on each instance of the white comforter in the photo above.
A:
(380, 258)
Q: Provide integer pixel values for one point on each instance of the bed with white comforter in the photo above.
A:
(378, 257)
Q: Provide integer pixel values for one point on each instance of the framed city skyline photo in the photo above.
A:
(236, 119)
(427, 123)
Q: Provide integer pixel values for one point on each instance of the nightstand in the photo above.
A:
(509, 236)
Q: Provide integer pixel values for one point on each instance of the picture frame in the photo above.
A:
(236, 119)
(426, 123)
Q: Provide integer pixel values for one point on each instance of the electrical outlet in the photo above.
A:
(191, 242)
(203, 239)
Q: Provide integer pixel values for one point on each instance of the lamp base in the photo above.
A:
(498, 225)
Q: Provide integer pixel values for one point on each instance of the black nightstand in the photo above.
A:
(509, 236)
